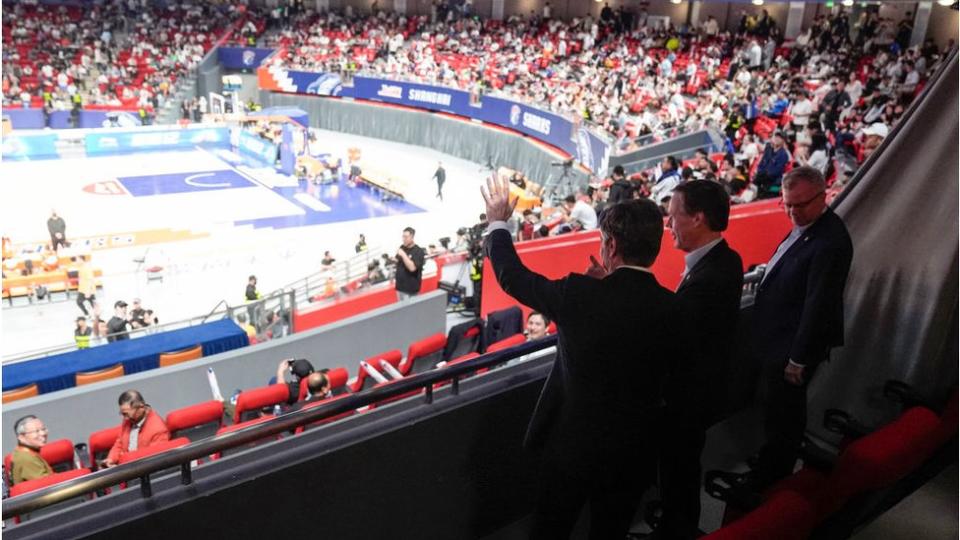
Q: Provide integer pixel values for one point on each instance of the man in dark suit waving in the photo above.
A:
(709, 297)
(799, 317)
(596, 418)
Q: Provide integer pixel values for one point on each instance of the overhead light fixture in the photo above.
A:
(676, 1)
(945, 3)
(847, 3)
(758, 2)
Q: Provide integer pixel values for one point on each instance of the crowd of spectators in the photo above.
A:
(826, 98)
(118, 53)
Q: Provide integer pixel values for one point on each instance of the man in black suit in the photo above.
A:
(709, 297)
(595, 422)
(798, 317)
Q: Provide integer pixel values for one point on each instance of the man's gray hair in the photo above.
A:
(20, 426)
(805, 174)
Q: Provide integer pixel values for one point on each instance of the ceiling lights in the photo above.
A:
(758, 2)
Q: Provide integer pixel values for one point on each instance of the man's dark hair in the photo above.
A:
(546, 320)
(637, 226)
(130, 397)
(570, 199)
(686, 173)
(618, 171)
(251, 278)
(673, 162)
(20, 426)
(707, 197)
(410, 230)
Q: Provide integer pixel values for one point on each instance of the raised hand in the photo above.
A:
(596, 269)
(497, 197)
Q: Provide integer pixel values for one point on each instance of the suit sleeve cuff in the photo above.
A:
(496, 226)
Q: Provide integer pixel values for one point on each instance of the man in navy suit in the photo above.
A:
(595, 425)
(798, 317)
(709, 297)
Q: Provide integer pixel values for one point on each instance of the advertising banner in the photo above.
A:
(251, 144)
(19, 148)
(587, 148)
(242, 57)
(167, 139)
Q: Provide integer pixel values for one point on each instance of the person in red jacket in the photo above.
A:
(141, 427)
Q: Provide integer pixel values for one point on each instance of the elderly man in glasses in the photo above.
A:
(26, 463)
(798, 317)
(141, 427)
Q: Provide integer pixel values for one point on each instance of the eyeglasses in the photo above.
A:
(38, 430)
(800, 205)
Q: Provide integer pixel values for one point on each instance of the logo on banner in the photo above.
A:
(585, 149)
(390, 91)
(108, 187)
(515, 114)
(248, 58)
(536, 123)
(428, 96)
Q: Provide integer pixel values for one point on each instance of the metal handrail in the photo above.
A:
(182, 456)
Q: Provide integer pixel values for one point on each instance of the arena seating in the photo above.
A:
(250, 402)
(423, 355)
(196, 421)
(59, 454)
(506, 343)
(363, 381)
(90, 377)
(99, 445)
(177, 357)
(23, 392)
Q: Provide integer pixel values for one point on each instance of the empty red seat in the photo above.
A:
(363, 380)
(243, 425)
(251, 401)
(196, 421)
(883, 457)
(786, 515)
(423, 355)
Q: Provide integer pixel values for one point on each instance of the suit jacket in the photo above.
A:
(709, 298)
(154, 430)
(615, 337)
(799, 305)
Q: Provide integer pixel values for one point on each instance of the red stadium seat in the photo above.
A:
(242, 425)
(196, 421)
(100, 444)
(338, 381)
(363, 380)
(153, 449)
(324, 421)
(423, 355)
(787, 515)
(46, 481)
(511, 341)
(884, 457)
(251, 401)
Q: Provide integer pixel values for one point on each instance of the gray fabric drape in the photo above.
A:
(901, 296)
(465, 140)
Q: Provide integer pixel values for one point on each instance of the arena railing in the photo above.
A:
(278, 301)
(183, 456)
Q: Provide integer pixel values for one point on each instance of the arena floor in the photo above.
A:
(226, 217)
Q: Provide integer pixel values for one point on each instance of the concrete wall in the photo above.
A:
(77, 412)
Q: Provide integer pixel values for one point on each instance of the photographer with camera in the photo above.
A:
(298, 369)
(410, 258)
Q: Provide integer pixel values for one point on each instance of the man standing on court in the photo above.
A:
(709, 298)
(410, 258)
(799, 318)
(441, 177)
(57, 228)
(595, 423)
